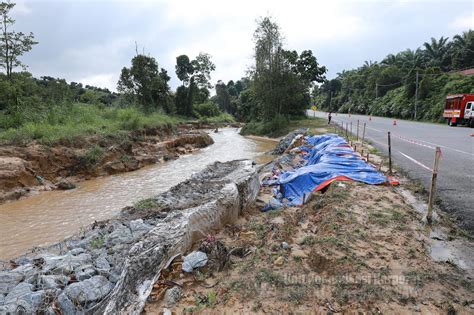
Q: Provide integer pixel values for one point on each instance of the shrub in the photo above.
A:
(92, 156)
(208, 109)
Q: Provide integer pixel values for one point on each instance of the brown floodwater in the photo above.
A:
(51, 216)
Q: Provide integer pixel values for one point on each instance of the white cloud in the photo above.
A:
(108, 80)
(225, 30)
(21, 8)
(341, 33)
(463, 23)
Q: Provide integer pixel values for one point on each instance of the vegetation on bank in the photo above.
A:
(409, 84)
(268, 129)
(78, 119)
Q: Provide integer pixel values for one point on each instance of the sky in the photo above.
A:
(90, 41)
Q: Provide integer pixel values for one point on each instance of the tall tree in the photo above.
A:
(202, 68)
(281, 78)
(195, 76)
(145, 82)
(12, 44)
(183, 68)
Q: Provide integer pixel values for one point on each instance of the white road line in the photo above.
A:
(416, 162)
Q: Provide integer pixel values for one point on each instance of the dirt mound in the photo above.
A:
(14, 177)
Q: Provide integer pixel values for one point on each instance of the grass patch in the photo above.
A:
(244, 288)
(80, 120)
(379, 218)
(146, 204)
(345, 292)
(417, 278)
(92, 156)
(269, 276)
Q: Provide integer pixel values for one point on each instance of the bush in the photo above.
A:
(92, 156)
(208, 109)
(276, 127)
(222, 118)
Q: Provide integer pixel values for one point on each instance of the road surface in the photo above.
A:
(414, 143)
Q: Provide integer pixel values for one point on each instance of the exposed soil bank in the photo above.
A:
(36, 167)
(111, 267)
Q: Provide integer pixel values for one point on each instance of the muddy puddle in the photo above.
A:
(459, 251)
(51, 216)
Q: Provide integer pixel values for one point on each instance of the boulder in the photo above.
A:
(8, 280)
(90, 290)
(14, 173)
(120, 235)
(29, 303)
(172, 296)
(85, 272)
(18, 291)
(102, 264)
(77, 251)
(65, 304)
(65, 185)
(53, 281)
(138, 228)
(26, 270)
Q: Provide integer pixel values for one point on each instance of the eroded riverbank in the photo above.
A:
(31, 168)
(53, 215)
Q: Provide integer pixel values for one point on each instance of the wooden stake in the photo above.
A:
(367, 157)
(433, 185)
(363, 135)
(357, 129)
(351, 127)
(389, 155)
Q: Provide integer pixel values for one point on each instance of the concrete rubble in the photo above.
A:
(111, 267)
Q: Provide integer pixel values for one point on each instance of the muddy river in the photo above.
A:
(51, 216)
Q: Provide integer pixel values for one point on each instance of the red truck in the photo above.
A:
(459, 109)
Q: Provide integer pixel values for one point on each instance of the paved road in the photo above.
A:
(456, 172)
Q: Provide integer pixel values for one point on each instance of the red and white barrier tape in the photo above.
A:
(414, 142)
(416, 162)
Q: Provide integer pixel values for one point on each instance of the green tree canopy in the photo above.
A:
(146, 83)
(12, 44)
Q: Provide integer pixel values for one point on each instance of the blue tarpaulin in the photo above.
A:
(330, 158)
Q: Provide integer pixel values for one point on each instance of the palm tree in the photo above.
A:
(391, 60)
(436, 52)
(463, 50)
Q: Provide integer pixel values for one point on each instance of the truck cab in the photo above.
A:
(459, 109)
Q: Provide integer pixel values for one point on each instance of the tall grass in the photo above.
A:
(77, 120)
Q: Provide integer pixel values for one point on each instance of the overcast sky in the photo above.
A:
(90, 41)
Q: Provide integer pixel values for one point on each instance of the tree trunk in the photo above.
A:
(7, 52)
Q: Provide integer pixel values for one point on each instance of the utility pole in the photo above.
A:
(330, 100)
(416, 92)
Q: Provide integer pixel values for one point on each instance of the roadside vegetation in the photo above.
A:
(389, 87)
